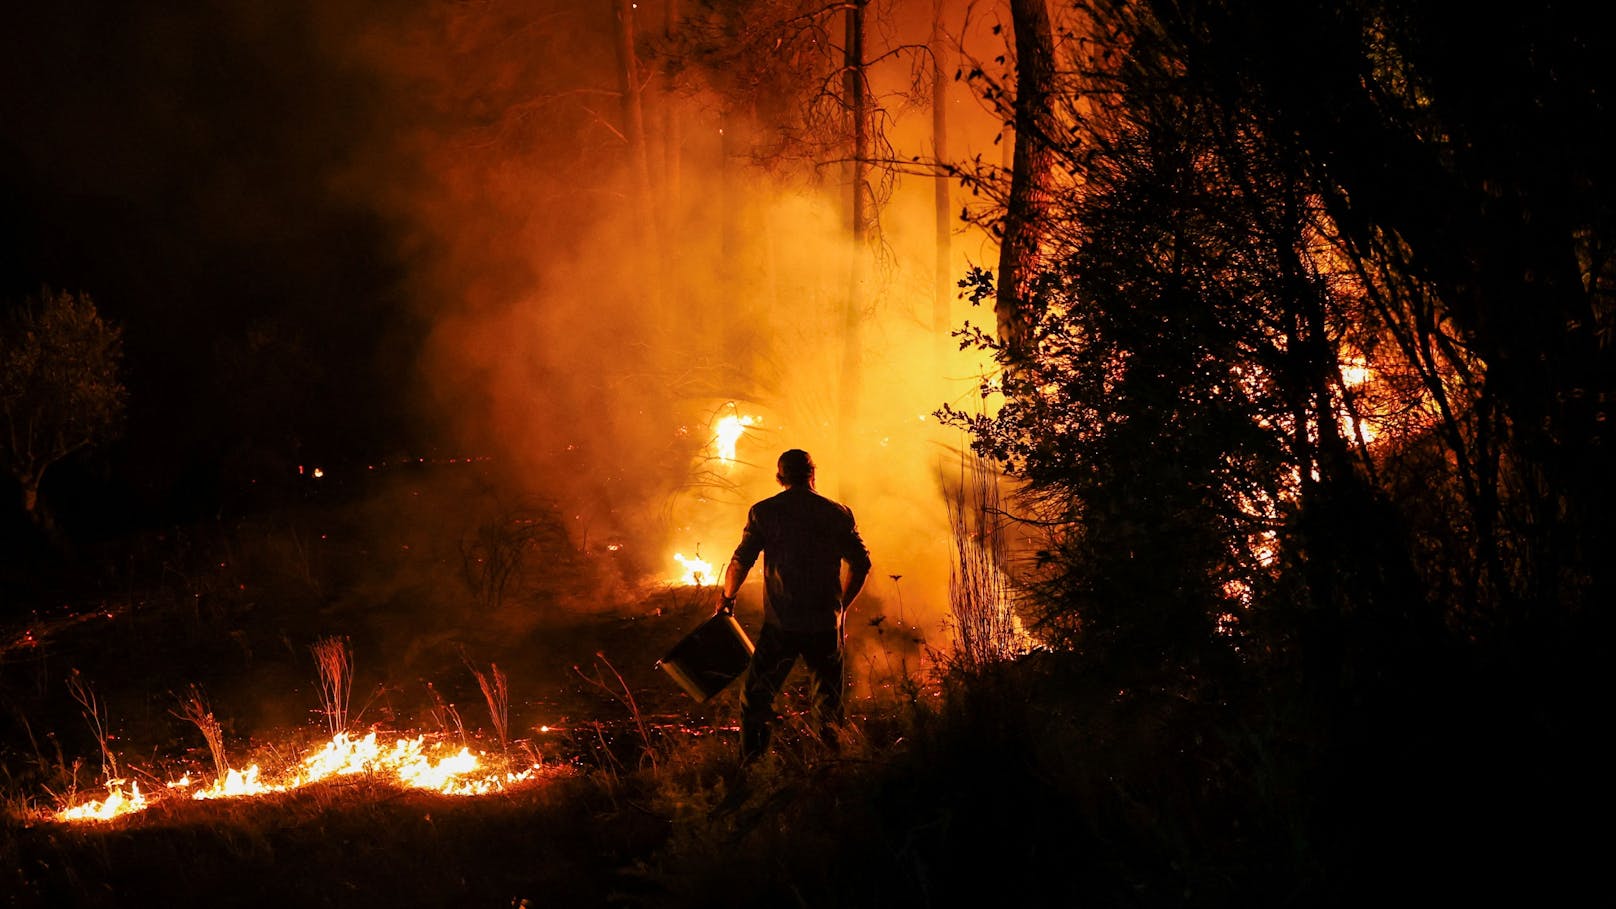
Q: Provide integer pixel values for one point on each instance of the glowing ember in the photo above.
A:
(728, 432)
(410, 763)
(696, 572)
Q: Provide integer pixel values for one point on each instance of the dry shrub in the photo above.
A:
(979, 593)
(195, 709)
(95, 713)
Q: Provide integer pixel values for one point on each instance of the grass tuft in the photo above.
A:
(333, 660)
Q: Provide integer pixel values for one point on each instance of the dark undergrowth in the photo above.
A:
(1036, 784)
(1020, 786)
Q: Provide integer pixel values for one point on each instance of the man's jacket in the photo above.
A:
(804, 538)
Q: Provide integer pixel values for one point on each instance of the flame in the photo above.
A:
(410, 763)
(698, 572)
(727, 432)
(116, 804)
(237, 783)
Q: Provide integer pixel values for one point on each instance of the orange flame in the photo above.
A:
(116, 804)
(410, 763)
(727, 433)
(697, 572)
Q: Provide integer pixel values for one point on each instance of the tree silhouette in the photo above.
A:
(60, 389)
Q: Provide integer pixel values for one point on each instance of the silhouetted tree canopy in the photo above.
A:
(60, 388)
(1322, 366)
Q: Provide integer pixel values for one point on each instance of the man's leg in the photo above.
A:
(771, 663)
(822, 654)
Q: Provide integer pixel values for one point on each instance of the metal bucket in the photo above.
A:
(709, 658)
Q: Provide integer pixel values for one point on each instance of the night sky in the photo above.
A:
(192, 169)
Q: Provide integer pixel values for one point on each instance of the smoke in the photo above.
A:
(325, 224)
(588, 344)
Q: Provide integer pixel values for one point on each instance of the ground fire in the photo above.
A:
(409, 763)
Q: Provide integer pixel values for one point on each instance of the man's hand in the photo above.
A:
(734, 574)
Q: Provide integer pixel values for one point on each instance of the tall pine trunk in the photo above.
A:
(645, 231)
(855, 97)
(940, 321)
(1026, 212)
(671, 134)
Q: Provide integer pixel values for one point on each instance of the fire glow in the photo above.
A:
(116, 804)
(408, 763)
(697, 572)
(727, 432)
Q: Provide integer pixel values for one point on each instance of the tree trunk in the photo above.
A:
(39, 513)
(645, 226)
(671, 137)
(942, 285)
(30, 499)
(728, 193)
(857, 102)
(1030, 174)
(737, 275)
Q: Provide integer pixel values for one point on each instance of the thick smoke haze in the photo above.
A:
(591, 353)
(348, 231)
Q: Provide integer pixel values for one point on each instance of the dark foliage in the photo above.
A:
(1317, 398)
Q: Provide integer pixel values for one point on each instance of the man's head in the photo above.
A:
(795, 468)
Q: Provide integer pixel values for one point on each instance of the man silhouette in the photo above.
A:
(804, 539)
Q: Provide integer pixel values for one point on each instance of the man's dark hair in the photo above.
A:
(795, 468)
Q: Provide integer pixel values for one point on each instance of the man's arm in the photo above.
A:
(734, 576)
(857, 556)
(740, 563)
(856, 573)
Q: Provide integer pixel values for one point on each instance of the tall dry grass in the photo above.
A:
(497, 695)
(333, 660)
(980, 597)
(623, 694)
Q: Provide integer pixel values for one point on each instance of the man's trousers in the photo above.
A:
(775, 653)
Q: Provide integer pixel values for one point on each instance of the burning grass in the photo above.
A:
(405, 763)
(1029, 781)
(353, 842)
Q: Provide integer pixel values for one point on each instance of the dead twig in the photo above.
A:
(95, 713)
(626, 698)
